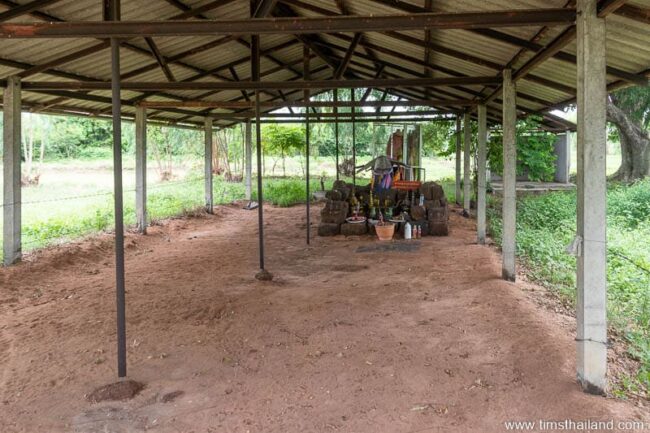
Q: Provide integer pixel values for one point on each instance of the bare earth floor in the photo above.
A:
(429, 340)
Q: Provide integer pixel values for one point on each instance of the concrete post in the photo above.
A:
(467, 161)
(458, 161)
(12, 244)
(508, 241)
(592, 258)
(209, 202)
(249, 160)
(141, 168)
(562, 152)
(481, 174)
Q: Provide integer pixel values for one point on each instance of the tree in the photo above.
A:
(37, 130)
(629, 110)
(283, 141)
(169, 142)
(439, 138)
(535, 156)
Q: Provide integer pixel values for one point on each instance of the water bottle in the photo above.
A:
(407, 231)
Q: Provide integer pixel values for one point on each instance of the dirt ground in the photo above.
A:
(342, 340)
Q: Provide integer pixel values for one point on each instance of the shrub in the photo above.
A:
(545, 226)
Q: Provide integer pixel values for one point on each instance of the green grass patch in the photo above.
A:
(54, 219)
(546, 225)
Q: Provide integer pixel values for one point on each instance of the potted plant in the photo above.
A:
(385, 230)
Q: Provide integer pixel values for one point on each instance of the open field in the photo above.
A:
(331, 344)
(74, 198)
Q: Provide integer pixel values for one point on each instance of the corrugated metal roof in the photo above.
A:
(452, 53)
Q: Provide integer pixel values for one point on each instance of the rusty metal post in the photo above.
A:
(354, 140)
(306, 57)
(336, 130)
(114, 15)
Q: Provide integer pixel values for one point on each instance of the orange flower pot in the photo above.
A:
(385, 232)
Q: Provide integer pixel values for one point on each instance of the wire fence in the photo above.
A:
(101, 194)
(610, 250)
(46, 233)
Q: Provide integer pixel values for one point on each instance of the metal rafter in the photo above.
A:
(345, 62)
(292, 26)
(259, 85)
(25, 9)
(160, 59)
(606, 7)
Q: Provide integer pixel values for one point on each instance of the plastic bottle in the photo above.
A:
(407, 230)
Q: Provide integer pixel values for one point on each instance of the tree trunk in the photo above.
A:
(635, 145)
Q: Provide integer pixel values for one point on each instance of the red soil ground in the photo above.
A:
(341, 341)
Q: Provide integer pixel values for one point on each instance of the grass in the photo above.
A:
(95, 213)
(75, 199)
(546, 225)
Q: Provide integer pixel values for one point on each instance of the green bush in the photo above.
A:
(546, 225)
(535, 156)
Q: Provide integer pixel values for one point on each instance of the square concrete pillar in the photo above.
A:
(141, 169)
(12, 244)
(508, 241)
(481, 171)
(562, 150)
(249, 159)
(209, 199)
(467, 160)
(458, 160)
(592, 199)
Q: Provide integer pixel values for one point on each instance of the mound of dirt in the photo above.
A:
(122, 390)
(264, 275)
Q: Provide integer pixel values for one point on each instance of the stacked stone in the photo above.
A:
(437, 211)
(419, 218)
(333, 214)
(336, 210)
(433, 217)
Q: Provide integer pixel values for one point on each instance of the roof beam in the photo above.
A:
(416, 61)
(25, 9)
(342, 116)
(262, 85)
(160, 59)
(296, 104)
(343, 8)
(188, 12)
(292, 26)
(634, 13)
(606, 7)
(554, 47)
(44, 67)
(343, 66)
(264, 8)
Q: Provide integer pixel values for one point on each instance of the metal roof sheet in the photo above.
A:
(453, 53)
